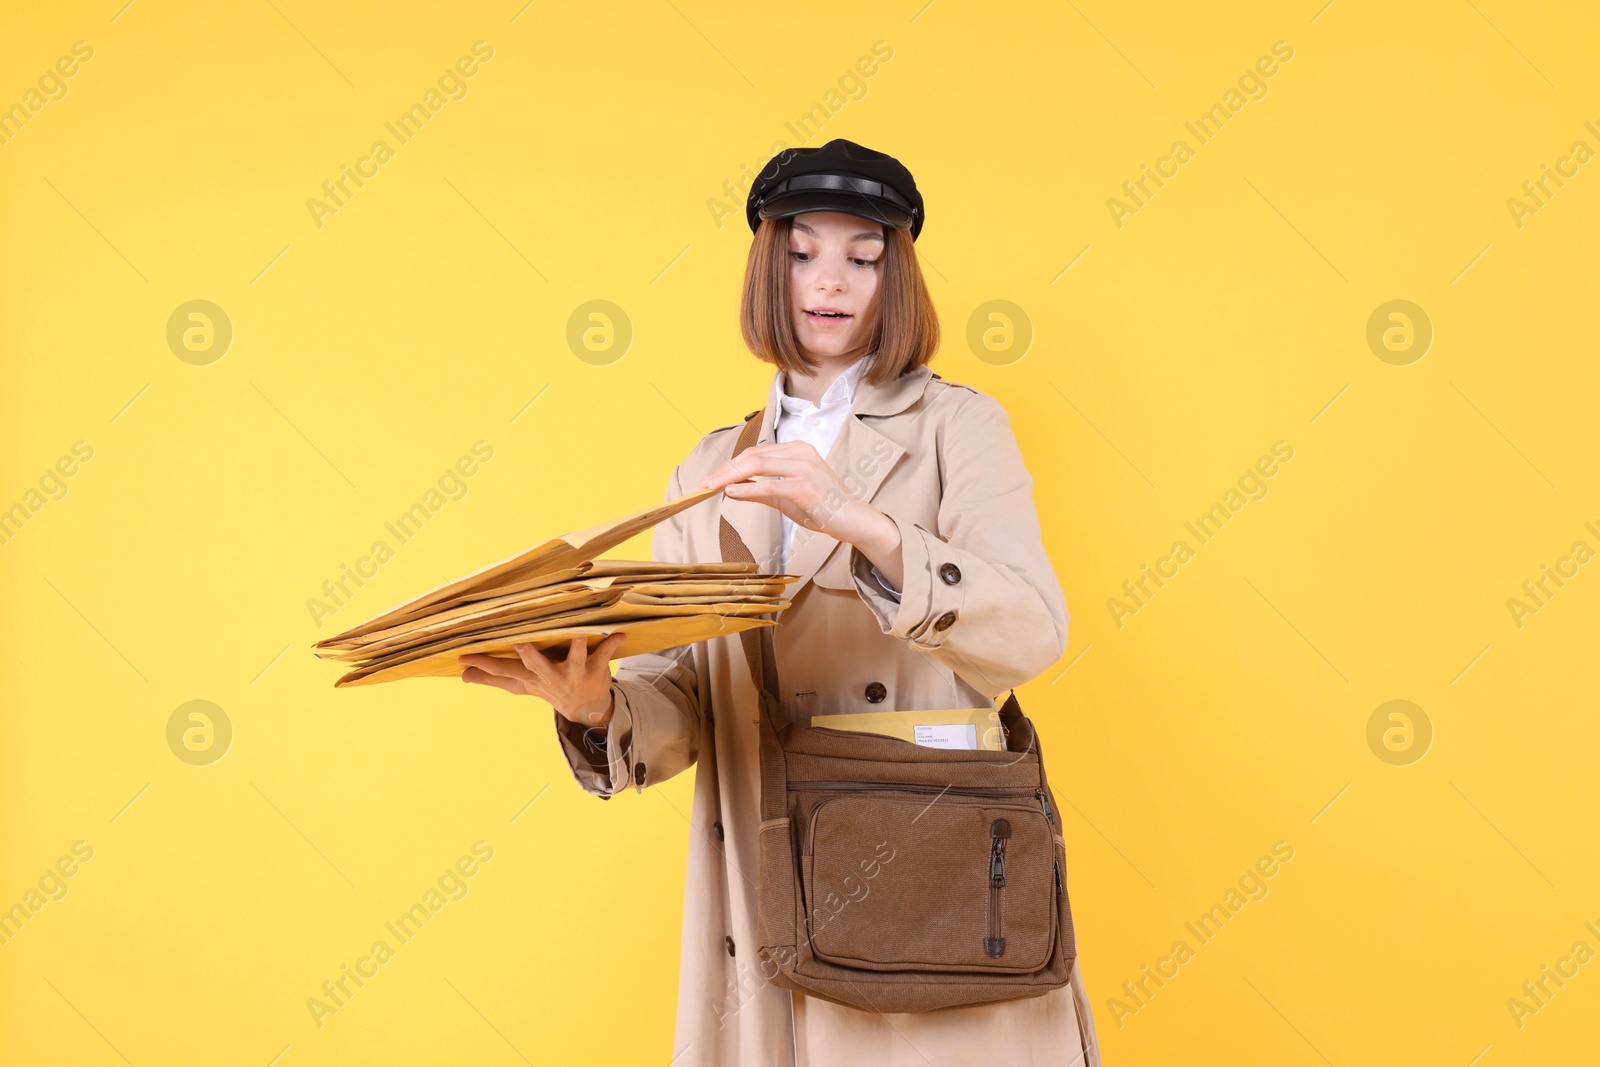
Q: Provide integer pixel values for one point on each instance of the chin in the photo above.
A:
(832, 343)
(831, 346)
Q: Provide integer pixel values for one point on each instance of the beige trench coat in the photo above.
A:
(939, 459)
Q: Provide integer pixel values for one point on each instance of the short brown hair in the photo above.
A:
(905, 336)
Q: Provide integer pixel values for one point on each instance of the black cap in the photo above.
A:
(839, 176)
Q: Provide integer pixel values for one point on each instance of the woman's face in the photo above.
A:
(834, 267)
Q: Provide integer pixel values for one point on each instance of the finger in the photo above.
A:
(776, 466)
(772, 491)
(731, 471)
(482, 677)
(726, 476)
(537, 663)
(578, 654)
(716, 477)
(607, 649)
(753, 450)
(756, 461)
(497, 666)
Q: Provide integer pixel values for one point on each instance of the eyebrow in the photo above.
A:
(864, 235)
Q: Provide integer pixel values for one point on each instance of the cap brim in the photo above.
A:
(857, 204)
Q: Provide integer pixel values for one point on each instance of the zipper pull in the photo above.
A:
(999, 830)
(1044, 802)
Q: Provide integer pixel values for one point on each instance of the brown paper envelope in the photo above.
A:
(708, 588)
(614, 617)
(448, 640)
(594, 541)
(691, 572)
(570, 609)
(567, 551)
(632, 597)
(647, 635)
(687, 574)
(397, 616)
(538, 584)
(619, 615)
(547, 585)
(627, 568)
(627, 571)
(546, 599)
(549, 598)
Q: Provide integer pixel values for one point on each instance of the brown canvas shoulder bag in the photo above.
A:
(896, 877)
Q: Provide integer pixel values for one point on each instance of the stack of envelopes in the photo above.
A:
(554, 592)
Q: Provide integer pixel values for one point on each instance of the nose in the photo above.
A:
(830, 279)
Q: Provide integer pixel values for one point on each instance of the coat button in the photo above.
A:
(717, 826)
(876, 692)
(945, 621)
(729, 942)
(638, 773)
(950, 573)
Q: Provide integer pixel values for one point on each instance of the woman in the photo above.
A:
(922, 584)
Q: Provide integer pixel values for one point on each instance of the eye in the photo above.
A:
(865, 262)
(801, 257)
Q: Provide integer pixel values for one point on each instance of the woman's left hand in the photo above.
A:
(799, 483)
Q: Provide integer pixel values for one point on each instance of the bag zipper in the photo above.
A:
(811, 825)
(999, 831)
(914, 787)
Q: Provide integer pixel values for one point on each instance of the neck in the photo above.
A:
(812, 386)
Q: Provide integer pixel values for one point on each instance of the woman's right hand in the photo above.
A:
(578, 687)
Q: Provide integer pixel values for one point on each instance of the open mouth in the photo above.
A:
(828, 315)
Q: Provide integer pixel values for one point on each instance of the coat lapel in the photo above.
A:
(861, 456)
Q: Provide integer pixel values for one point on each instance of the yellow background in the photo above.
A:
(368, 354)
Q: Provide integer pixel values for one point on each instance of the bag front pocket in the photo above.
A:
(959, 881)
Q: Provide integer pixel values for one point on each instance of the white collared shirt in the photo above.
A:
(819, 425)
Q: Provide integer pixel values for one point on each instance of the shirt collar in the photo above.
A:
(839, 392)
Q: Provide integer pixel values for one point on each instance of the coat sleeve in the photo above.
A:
(980, 595)
(654, 730)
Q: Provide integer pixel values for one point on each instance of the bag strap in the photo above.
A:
(759, 652)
